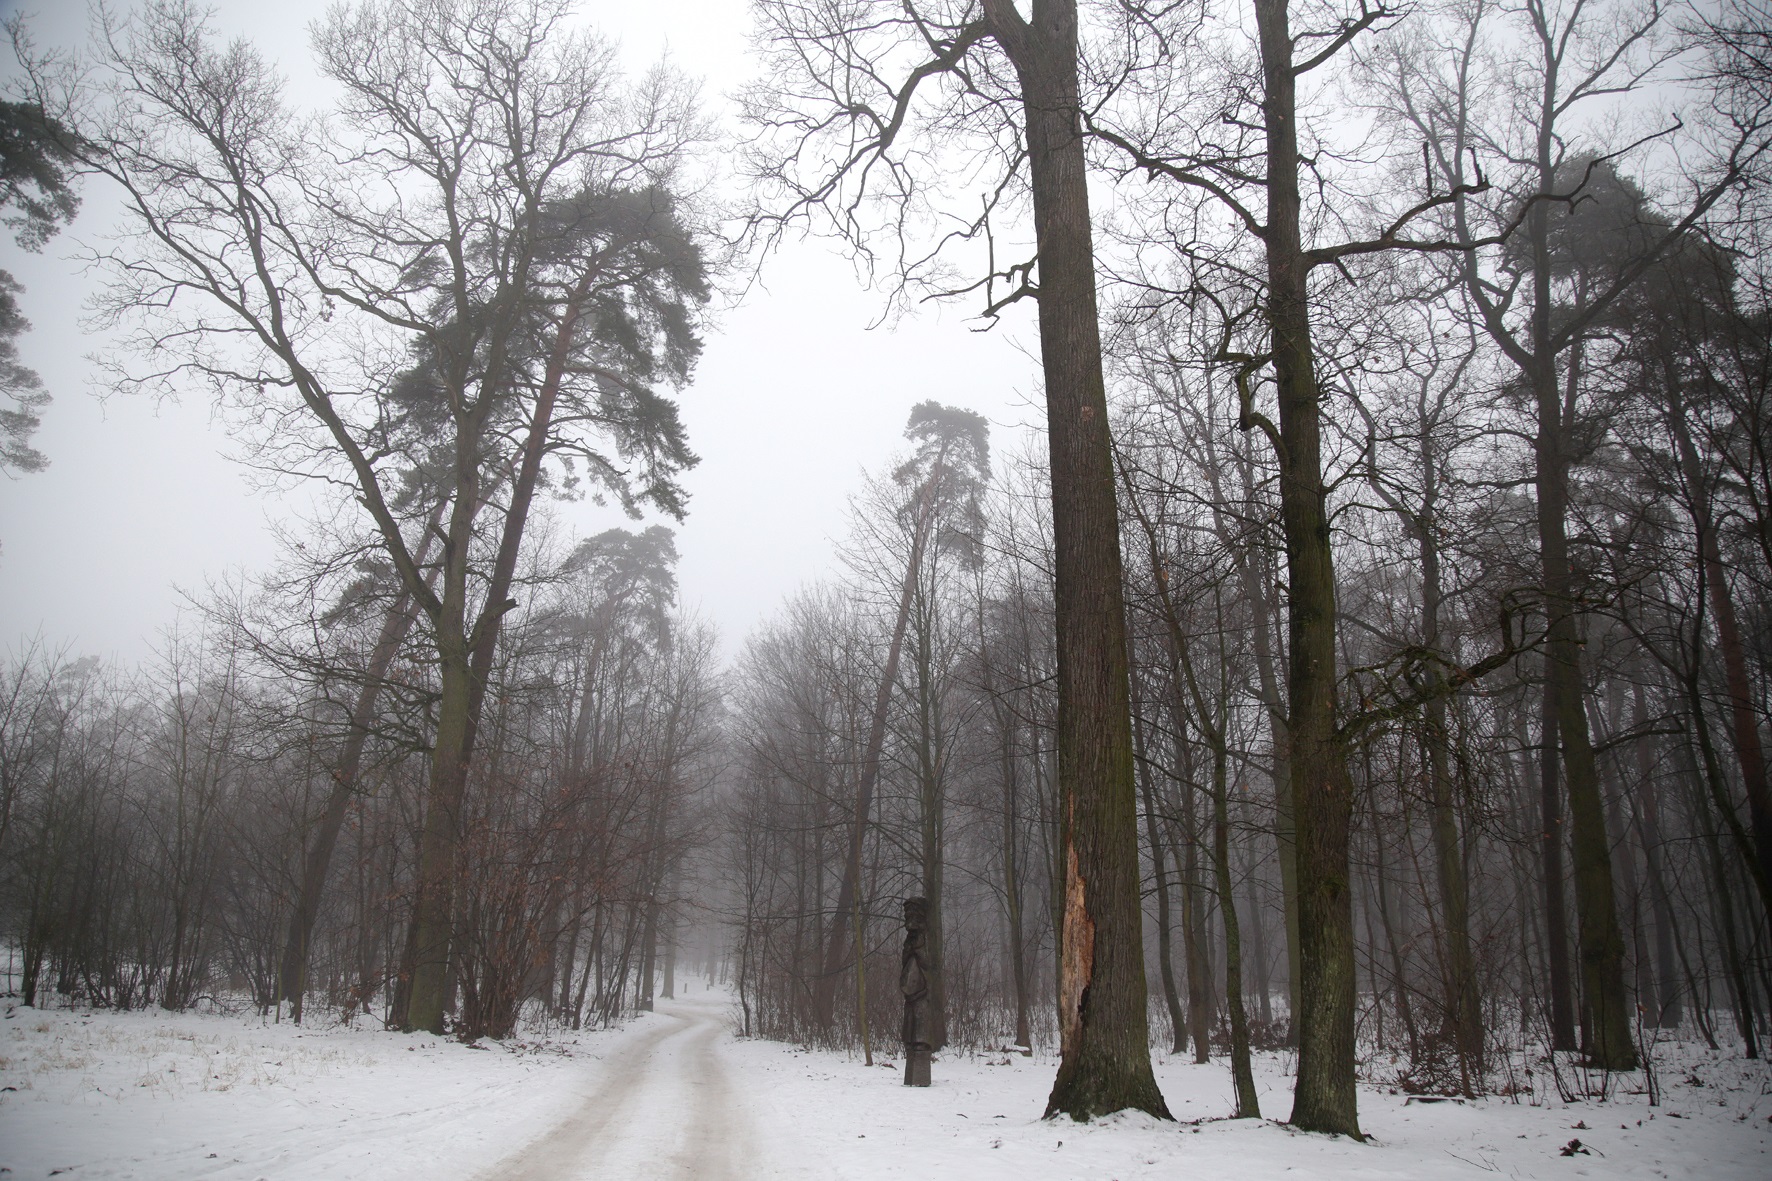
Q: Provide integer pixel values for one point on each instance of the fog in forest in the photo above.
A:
(1192, 578)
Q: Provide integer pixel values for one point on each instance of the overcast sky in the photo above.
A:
(793, 398)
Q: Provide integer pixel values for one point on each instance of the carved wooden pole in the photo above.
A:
(913, 981)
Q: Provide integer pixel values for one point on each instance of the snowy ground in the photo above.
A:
(160, 1096)
(157, 1095)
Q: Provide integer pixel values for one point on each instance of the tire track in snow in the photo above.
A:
(664, 1109)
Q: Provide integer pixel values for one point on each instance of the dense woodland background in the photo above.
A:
(446, 767)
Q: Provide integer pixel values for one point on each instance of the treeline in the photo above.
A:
(1444, 547)
(443, 765)
(244, 817)
(893, 737)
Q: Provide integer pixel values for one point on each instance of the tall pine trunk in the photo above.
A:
(930, 816)
(848, 890)
(1599, 941)
(465, 658)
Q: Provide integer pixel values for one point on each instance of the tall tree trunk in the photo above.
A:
(1601, 944)
(1605, 1003)
(1264, 1011)
(1006, 729)
(1713, 777)
(1242, 1075)
(648, 953)
(1464, 1006)
(1551, 843)
(420, 1001)
(292, 974)
(1018, 965)
(1648, 814)
(861, 984)
(1201, 1002)
(930, 773)
(566, 961)
(1605, 1000)
(1175, 641)
(1105, 1061)
(1750, 756)
(1159, 866)
(1740, 990)
(1324, 1099)
(1258, 591)
(1201, 1008)
(848, 891)
(465, 663)
(1381, 891)
(1285, 822)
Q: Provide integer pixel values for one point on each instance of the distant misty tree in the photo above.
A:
(629, 585)
(36, 174)
(940, 493)
(36, 198)
(22, 388)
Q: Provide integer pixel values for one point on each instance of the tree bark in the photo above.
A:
(1551, 843)
(1600, 943)
(1105, 1063)
(1324, 1099)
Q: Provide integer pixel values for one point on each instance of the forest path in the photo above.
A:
(663, 1108)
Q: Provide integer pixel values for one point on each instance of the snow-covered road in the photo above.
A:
(661, 1106)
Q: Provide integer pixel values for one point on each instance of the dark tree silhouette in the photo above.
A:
(37, 198)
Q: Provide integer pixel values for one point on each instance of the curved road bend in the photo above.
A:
(664, 1109)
